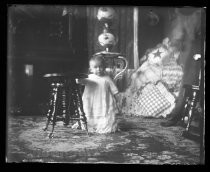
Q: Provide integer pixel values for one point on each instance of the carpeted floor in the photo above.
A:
(140, 141)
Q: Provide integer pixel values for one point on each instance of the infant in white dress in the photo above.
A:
(99, 100)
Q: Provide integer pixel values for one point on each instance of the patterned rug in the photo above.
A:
(139, 141)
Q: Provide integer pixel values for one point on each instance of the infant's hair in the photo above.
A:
(98, 58)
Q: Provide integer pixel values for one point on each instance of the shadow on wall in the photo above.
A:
(181, 25)
(152, 24)
(185, 28)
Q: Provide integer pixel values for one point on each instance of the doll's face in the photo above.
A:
(143, 78)
(97, 67)
(139, 79)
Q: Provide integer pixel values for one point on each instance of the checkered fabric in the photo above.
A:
(163, 90)
(152, 102)
(168, 96)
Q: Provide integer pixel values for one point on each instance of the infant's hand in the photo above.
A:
(80, 81)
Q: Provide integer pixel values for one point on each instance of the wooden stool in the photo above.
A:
(65, 102)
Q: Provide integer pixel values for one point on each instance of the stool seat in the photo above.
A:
(65, 75)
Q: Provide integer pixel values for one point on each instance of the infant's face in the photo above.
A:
(97, 68)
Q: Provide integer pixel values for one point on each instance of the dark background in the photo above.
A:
(51, 42)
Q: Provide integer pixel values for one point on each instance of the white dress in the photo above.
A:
(99, 104)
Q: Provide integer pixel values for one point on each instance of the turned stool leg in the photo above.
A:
(80, 107)
(75, 106)
(54, 112)
(52, 102)
(70, 105)
(186, 108)
(64, 106)
(55, 106)
(191, 109)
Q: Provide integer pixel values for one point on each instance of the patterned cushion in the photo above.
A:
(172, 74)
(152, 102)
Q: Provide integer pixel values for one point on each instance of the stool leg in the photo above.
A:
(51, 108)
(80, 106)
(71, 108)
(186, 109)
(54, 112)
(64, 109)
(190, 113)
(49, 114)
(75, 106)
